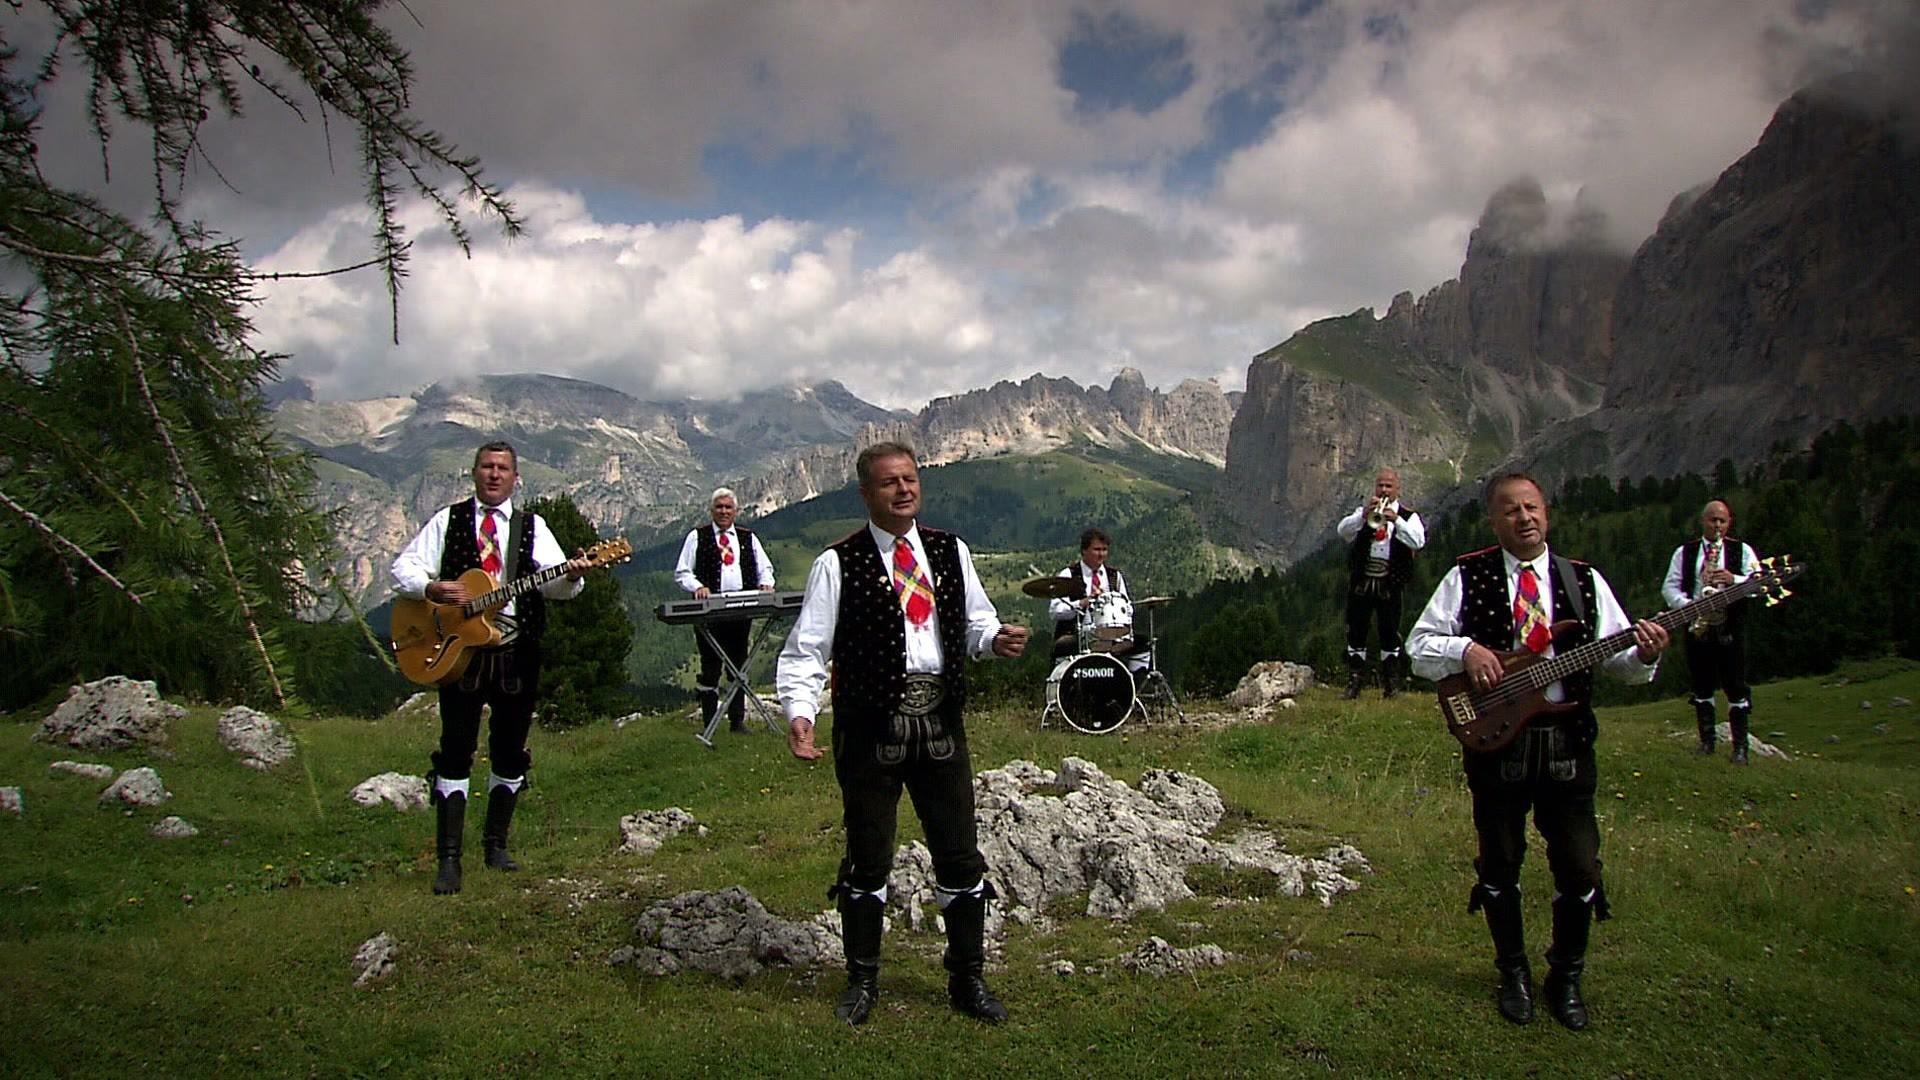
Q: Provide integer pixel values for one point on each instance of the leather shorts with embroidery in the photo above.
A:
(1552, 753)
(917, 729)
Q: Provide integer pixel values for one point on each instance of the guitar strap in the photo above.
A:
(1570, 582)
(516, 536)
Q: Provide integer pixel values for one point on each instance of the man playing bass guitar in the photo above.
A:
(489, 533)
(1500, 599)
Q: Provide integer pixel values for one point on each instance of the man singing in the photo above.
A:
(1379, 563)
(485, 532)
(898, 610)
(718, 558)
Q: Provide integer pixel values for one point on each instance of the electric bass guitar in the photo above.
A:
(434, 643)
(1489, 720)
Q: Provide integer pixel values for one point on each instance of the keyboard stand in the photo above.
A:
(733, 681)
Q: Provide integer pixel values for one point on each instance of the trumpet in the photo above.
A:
(1377, 512)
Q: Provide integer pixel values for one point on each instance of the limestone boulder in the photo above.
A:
(398, 790)
(644, 832)
(137, 787)
(727, 933)
(114, 713)
(1270, 682)
(260, 741)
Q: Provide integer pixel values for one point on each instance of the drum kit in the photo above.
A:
(1113, 673)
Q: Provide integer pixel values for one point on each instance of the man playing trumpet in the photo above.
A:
(1382, 536)
(1717, 651)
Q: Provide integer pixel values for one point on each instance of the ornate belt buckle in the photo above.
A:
(922, 694)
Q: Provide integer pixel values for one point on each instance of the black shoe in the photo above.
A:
(1703, 719)
(1389, 683)
(1738, 721)
(1354, 682)
(1739, 752)
(450, 825)
(1562, 990)
(857, 1000)
(493, 838)
(969, 994)
(1516, 992)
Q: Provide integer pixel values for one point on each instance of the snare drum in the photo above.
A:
(1094, 692)
(1111, 616)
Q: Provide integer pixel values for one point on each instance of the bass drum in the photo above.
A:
(1093, 691)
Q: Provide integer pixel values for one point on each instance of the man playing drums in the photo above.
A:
(1093, 579)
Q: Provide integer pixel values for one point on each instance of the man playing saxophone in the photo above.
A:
(1382, 536)
(1716, 651)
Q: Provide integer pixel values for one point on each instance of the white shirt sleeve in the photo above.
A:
(548, 553)
(1349, 526)
(1436, 647)
(1748, 566)
(1611, 619)
(765, 564)
(800, 674)
(1060, 607)
(983, 622)
(1670, 588)
(414, 568)
(1412, 531)
(683, 568)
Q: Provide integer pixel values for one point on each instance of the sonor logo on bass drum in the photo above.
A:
(1090, 672)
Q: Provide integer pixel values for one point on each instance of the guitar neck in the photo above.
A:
(1595, 653)
(513, 589)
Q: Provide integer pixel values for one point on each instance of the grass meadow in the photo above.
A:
(1765, 918)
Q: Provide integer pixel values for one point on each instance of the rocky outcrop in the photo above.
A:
(258, 740)
(727, 933)
(137, 787)
(1770, 305)
(398, 790)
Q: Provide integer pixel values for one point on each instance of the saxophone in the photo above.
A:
(1708, 621)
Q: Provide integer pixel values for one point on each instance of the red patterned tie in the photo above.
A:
(726, 549)
(1529, 617)
(489, 544)
(910, 583)
(1096, 583)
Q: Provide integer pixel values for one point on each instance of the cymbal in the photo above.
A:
(1149, 601)
(1051, 588)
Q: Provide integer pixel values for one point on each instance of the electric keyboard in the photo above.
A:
(729, 607)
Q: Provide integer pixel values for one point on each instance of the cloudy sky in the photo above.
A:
(918, 197)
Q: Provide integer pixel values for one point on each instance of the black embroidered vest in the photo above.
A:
(462, 553)
(1399, 557)
(1116, 583)
(1736, 561)
(706, 558)
(870, 638)
(1486, 611)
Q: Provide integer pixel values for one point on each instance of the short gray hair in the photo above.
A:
(723, 493)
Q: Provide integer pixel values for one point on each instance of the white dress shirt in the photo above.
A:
(1410, 530)
(801, 673)
(1437, 647)
(418, 565)
(1670, 590)
(730, 579)
(1063, 608)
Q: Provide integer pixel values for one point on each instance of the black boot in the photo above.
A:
(449, 836)
(1389, 676)
(709, 700)
(966, 958)
(861, 921)
(1355, 680)
(1703, 718)
(1567, 960)
(493, 837)
(1515, 995)
(1737, 719)
(737, 711)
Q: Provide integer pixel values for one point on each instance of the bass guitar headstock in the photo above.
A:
(1772, 575)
